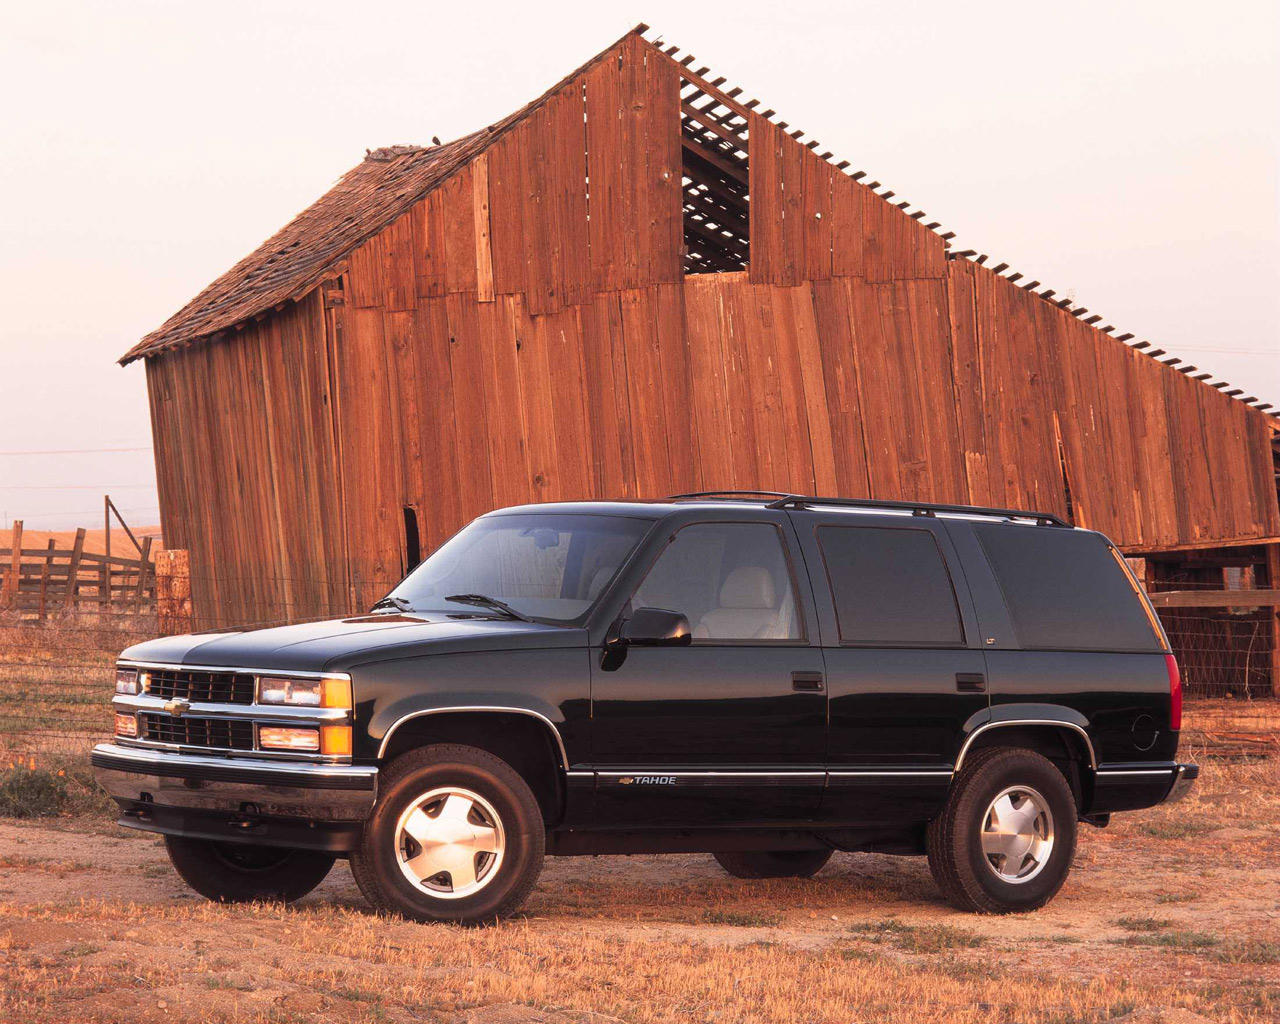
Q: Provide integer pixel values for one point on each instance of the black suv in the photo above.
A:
(765, 678)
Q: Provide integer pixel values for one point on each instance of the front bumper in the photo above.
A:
(277, 803)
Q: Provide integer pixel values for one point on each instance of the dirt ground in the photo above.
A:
(1171, 914)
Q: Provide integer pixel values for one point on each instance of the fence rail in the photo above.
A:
(42, 582)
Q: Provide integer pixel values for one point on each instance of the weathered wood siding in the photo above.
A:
(524, 333)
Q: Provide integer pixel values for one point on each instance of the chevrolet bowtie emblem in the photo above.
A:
(178, 707)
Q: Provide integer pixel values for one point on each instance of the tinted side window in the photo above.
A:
(731, 580)
(890, 586)
(1065, 590)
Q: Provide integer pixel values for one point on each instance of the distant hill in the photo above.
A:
(94, 540)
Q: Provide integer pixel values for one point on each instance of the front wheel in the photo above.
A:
(457, 835)
(1006, 837)
(773, 863)
(242, 872)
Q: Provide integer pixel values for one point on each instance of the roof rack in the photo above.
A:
(919, 508)
(729, 494)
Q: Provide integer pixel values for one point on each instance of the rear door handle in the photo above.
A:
(971, 682)
(807, 682)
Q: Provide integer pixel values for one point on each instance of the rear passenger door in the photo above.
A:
(905, 673)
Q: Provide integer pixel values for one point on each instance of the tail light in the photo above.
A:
(1175, 693)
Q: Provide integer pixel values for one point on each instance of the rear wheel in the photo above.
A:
(457, 835)
(774, 863)
(1006, 837)
(240, 872)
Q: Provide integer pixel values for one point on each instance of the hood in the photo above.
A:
(337, 644)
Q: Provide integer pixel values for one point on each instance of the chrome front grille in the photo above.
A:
(214, 733)
(201, 686)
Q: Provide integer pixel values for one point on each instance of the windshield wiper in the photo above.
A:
(399, 603)
(483, 601)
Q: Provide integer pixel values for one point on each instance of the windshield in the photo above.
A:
(543, 566)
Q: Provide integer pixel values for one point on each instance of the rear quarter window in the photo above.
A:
(890, 586)
(1065, 590)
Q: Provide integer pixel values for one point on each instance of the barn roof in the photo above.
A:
(308, 249)
(311, 247)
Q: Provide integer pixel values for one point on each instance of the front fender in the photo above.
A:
(391, 717)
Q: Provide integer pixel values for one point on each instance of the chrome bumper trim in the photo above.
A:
(320, 792)
(1182, 783)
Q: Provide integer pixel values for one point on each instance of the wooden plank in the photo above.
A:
(1216, 598)
(766, 202)
(633, 165)
(480, 209)
(706, 326)
(70, 596)
(608, 412)
(15, 566)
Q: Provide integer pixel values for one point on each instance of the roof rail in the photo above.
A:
(919, 508)
(729, 494)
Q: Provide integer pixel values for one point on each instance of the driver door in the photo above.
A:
(730, 729)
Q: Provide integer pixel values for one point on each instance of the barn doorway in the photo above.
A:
(412, 540)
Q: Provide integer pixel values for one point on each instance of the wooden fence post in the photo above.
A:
(173, 591)
(9, 592)
(72, 596)
(144, 555)
(44, 578)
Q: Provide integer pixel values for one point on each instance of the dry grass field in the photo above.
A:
(1171, 914)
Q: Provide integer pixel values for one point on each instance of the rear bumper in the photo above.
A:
(1130, 787)
(316, 806)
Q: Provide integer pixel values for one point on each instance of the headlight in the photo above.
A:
(127, 681)
(127, 725)
(315, 693)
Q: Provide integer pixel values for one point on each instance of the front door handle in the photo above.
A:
(971, 682)
(807, 682)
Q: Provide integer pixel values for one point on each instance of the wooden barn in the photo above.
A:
(640, 284)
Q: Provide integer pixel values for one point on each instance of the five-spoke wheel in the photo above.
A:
(450, 842)
(1005, 839)
(456, 835)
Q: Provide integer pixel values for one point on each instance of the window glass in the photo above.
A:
(1065, 590)
(890, 586)
(731, 580)
(545, 566)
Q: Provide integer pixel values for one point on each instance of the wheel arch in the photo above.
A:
(526, 739)
(1062, 740)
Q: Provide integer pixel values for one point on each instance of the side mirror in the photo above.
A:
(656, 627)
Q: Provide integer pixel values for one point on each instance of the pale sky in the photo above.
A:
(1123, 153)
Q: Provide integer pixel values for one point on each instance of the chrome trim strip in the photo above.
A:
(160, 757)
(930, 773)
(237, 669)
(1093, 760)
(712, 774)
(1109, 772)
(285, 714)
(564, 757)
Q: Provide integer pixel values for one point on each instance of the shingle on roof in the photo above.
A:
(302, 253)
(306, 251)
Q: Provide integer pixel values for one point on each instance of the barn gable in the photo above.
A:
(636, 285)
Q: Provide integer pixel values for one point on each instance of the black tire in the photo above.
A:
(774, 863)
(242, 872)
(504, 882)
(967, 876)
